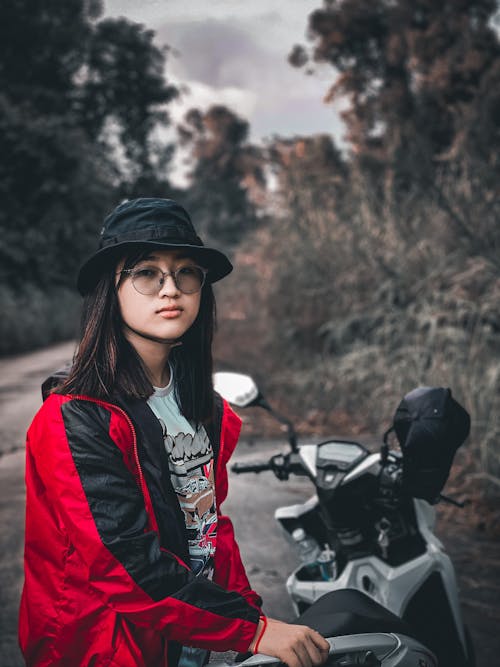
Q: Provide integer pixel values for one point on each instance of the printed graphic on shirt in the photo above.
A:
(187, 451)
(197, 501)
(192, 475)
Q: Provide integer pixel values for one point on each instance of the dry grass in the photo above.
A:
(339, 315)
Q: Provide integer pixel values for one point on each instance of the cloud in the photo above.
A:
(242, 64)
(216, 53)
(291, 15)
(201, 95)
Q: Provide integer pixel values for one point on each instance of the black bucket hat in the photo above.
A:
(150, 222)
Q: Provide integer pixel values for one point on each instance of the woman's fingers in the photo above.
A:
(295, 645)
(308, 654)
(312, 648)
(321, 644)
(318, 648)
(304, 652)
(304, 656)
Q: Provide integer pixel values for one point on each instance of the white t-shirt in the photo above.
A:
(191, 464)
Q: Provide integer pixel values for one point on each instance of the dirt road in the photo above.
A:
(251, 504)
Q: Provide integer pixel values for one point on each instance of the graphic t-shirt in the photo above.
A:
(191, 464)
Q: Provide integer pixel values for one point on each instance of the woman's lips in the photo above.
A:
(170, 313)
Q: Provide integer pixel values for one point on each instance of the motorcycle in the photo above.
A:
(366, 538)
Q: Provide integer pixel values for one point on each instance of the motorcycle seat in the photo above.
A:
(348, 612)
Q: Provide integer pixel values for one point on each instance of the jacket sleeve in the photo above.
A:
(76, 446)
(229, 569)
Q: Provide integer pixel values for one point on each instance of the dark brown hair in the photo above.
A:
(106, 364)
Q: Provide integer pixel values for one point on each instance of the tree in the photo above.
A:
(53, 184)
(124, 95)
(67, 81)
(80, 101)
(43, 49)
(422, 78)
(53, 180)
(423, 82)
(227, 178)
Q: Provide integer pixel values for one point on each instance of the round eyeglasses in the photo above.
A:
(150, 279)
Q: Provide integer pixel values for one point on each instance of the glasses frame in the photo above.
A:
(173, 275)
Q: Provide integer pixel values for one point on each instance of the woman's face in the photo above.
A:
(164, 315)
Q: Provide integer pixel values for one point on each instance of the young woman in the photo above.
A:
(128, 558)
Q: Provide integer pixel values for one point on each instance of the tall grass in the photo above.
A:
(347, 308)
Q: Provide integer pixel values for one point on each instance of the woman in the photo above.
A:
(128, 559)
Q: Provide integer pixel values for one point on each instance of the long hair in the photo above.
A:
(107, 365)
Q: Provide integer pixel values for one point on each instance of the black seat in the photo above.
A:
(350, 612)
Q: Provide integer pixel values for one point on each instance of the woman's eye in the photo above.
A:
(145, 273)
(187, 270)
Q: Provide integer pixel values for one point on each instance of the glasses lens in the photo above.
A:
(147, 280)
(190, 279)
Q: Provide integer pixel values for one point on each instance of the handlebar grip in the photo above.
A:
(249, 467)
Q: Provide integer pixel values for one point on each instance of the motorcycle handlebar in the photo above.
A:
(250, 467)
(282, 465)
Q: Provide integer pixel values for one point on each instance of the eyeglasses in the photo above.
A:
(150, 279)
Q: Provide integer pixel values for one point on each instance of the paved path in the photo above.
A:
(20, 397)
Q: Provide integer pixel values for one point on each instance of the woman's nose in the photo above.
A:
(169, 286)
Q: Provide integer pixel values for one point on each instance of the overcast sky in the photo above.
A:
(234, 52)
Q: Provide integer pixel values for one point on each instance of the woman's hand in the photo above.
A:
(295, 645)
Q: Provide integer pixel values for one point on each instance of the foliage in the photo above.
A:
(380, 269)
(44, 47)
(227, 171)
(34, 317)
(123, 94)
(341, 314)
(54, 185)
(422, 79)
(79, 105)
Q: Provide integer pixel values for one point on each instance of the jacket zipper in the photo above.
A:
(103, 404)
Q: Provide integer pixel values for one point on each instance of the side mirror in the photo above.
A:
(241, 390)
(238, 389)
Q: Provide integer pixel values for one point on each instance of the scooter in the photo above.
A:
(366, 539)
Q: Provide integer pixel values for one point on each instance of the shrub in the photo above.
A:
(33, 318)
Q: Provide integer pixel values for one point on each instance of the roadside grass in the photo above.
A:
(32, 318)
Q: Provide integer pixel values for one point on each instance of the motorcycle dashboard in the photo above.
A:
(340, 454)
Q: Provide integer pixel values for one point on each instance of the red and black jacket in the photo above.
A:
(106, 579)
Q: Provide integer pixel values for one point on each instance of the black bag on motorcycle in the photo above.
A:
(430, 426)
